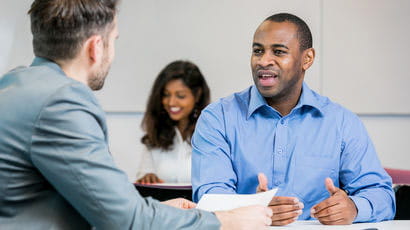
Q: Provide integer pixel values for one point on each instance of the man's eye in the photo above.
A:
(279, 52)
(181, 96)
(257, 51)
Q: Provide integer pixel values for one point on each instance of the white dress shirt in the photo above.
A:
(172, 166)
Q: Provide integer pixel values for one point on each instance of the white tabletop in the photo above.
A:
(314, 225)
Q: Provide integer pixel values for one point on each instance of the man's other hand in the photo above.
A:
(338, 209)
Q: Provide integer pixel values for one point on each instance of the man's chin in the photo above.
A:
(267, 91)
(95, 86)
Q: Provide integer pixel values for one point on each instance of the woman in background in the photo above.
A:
(177, 97)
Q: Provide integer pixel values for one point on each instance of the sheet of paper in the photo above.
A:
(220, 202)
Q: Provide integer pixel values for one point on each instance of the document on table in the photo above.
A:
(220, 202)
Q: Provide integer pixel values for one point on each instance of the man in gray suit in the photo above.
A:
(56, 171)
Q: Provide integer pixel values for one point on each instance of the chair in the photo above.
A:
(401, 178)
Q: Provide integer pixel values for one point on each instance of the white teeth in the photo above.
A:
(174, 109)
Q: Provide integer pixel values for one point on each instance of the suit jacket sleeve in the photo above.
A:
(69, 147)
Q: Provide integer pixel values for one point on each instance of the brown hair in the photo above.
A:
(159, 127)
(59, 27)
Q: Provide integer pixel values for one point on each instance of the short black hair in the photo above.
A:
(304, 35)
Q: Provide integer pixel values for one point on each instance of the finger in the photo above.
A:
(188, 204)
(286, 208)
(151, 179)
(330, 187)
(268, 221)
(333, 216)
(263, 183)
(144, 180)
(331, 201)
(286, 215)
(280, 200)
(331, 210)
(268, 212)
(334, 222)
(156, 179)
(283, 221)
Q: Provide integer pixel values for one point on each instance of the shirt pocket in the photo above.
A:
(309, 177)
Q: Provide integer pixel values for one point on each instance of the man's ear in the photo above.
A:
(95, 49)
(308, 58)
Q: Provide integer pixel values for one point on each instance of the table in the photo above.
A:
(315, 225)
(165, 191)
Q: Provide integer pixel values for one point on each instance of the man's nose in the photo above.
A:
(267, 59)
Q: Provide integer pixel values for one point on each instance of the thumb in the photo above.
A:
(188, 204)
(330, 187)
(263, 183)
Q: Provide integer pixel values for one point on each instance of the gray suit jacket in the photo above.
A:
(56, 171)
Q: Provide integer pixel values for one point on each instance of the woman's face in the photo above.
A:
(178, 100)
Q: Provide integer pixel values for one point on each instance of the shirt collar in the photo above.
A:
(308, 98)
(256, 101)
(38, 61)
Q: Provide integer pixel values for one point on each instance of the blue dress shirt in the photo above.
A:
(240, 136)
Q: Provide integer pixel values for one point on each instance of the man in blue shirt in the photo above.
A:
(317, 152)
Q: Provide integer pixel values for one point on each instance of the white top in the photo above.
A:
(172, 166)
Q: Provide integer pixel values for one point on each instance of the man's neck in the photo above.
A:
(74, 69)
(285, 104)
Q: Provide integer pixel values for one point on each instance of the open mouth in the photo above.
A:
(267, 77)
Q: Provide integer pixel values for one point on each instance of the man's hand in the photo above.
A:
(250, 217)
(337, 209)
(149, 178)
(285, 209)
(180, 203)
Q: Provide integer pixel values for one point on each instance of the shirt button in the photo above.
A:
(282, 122)
(280, 151)
(277, 183)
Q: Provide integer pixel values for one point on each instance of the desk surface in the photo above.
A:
(314, 225)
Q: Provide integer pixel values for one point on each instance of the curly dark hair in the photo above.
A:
(159, 127)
